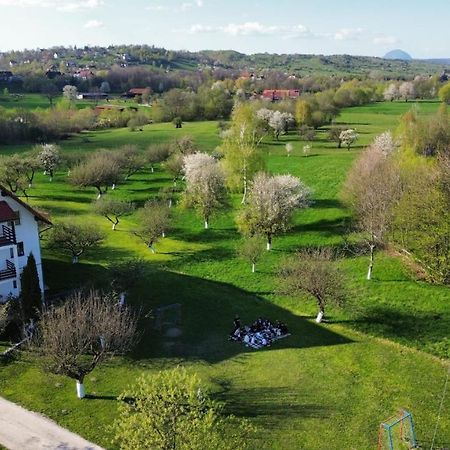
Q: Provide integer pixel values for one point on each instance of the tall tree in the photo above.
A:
(371, 190)
(242, 158)
(205, 184)
(30, 294)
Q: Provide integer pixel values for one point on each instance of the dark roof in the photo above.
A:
(139, 91)
(37, 215)
(6, 213)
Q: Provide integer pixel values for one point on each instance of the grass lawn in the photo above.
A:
(327, 386)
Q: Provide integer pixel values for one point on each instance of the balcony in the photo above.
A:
(9, 272)
(7, 236)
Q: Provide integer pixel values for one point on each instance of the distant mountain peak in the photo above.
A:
(398, 54)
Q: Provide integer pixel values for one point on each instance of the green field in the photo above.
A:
(327, 386)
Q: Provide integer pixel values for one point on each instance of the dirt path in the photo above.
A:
(21, 429)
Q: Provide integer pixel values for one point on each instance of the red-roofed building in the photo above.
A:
(19, 236)
(280, 94)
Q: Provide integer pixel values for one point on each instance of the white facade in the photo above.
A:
(18, 238)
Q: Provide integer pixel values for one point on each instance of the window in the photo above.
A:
(20, 249)
(14, 284)
(17, 220)
(11, 253)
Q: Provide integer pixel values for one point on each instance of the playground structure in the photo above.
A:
(397, 432)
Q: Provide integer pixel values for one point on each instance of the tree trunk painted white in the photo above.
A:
(369, 271)
(153, 170)
(319, 316)
(268, 246)
(51, 179)
(122, 296)
(30, 185)
(80, 390)
(206, 224)
(114, 225)
(99, 196)
(170, 203)
(74, 259)
(244, 179)
(113, 186)
(253, 267)
(163, 234)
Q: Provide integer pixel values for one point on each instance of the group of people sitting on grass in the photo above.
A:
(260, 334)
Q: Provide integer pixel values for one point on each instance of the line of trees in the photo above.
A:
(399, 193)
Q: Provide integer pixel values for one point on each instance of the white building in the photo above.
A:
(19, 236)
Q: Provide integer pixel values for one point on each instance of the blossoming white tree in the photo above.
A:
(279, 122)
(407, 91)
(348, 137)
(49, 158)
(205, 184)
(385, 143)
(271, 203)
(391, 93)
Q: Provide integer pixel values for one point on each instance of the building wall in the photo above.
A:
(28, 233)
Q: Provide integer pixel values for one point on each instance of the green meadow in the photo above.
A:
(326, 386)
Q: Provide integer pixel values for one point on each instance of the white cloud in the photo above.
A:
(183, 7)
(385, 40)
(348, 34)
(157, 8)
(253, 29)
(60, 5)
(93, 24)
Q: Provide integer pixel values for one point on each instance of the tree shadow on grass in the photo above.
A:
(334, 227)
(270, 402)
(204, 236)
(427, 331)
(207, 312)
(325, 203)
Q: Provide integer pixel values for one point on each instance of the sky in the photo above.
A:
(356, 27)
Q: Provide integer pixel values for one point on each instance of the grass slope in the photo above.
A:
(325, 387)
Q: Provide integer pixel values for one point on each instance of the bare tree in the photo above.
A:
(174, 165)
(251, 249)
(154, 219)
(157, 153)
(77, 336)
(205, 184)
(271, 203)
(125, 275)
(75, 239)
(112, 209)
(313, 272)
(371, 191)
(99, 171)
(130, 160)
